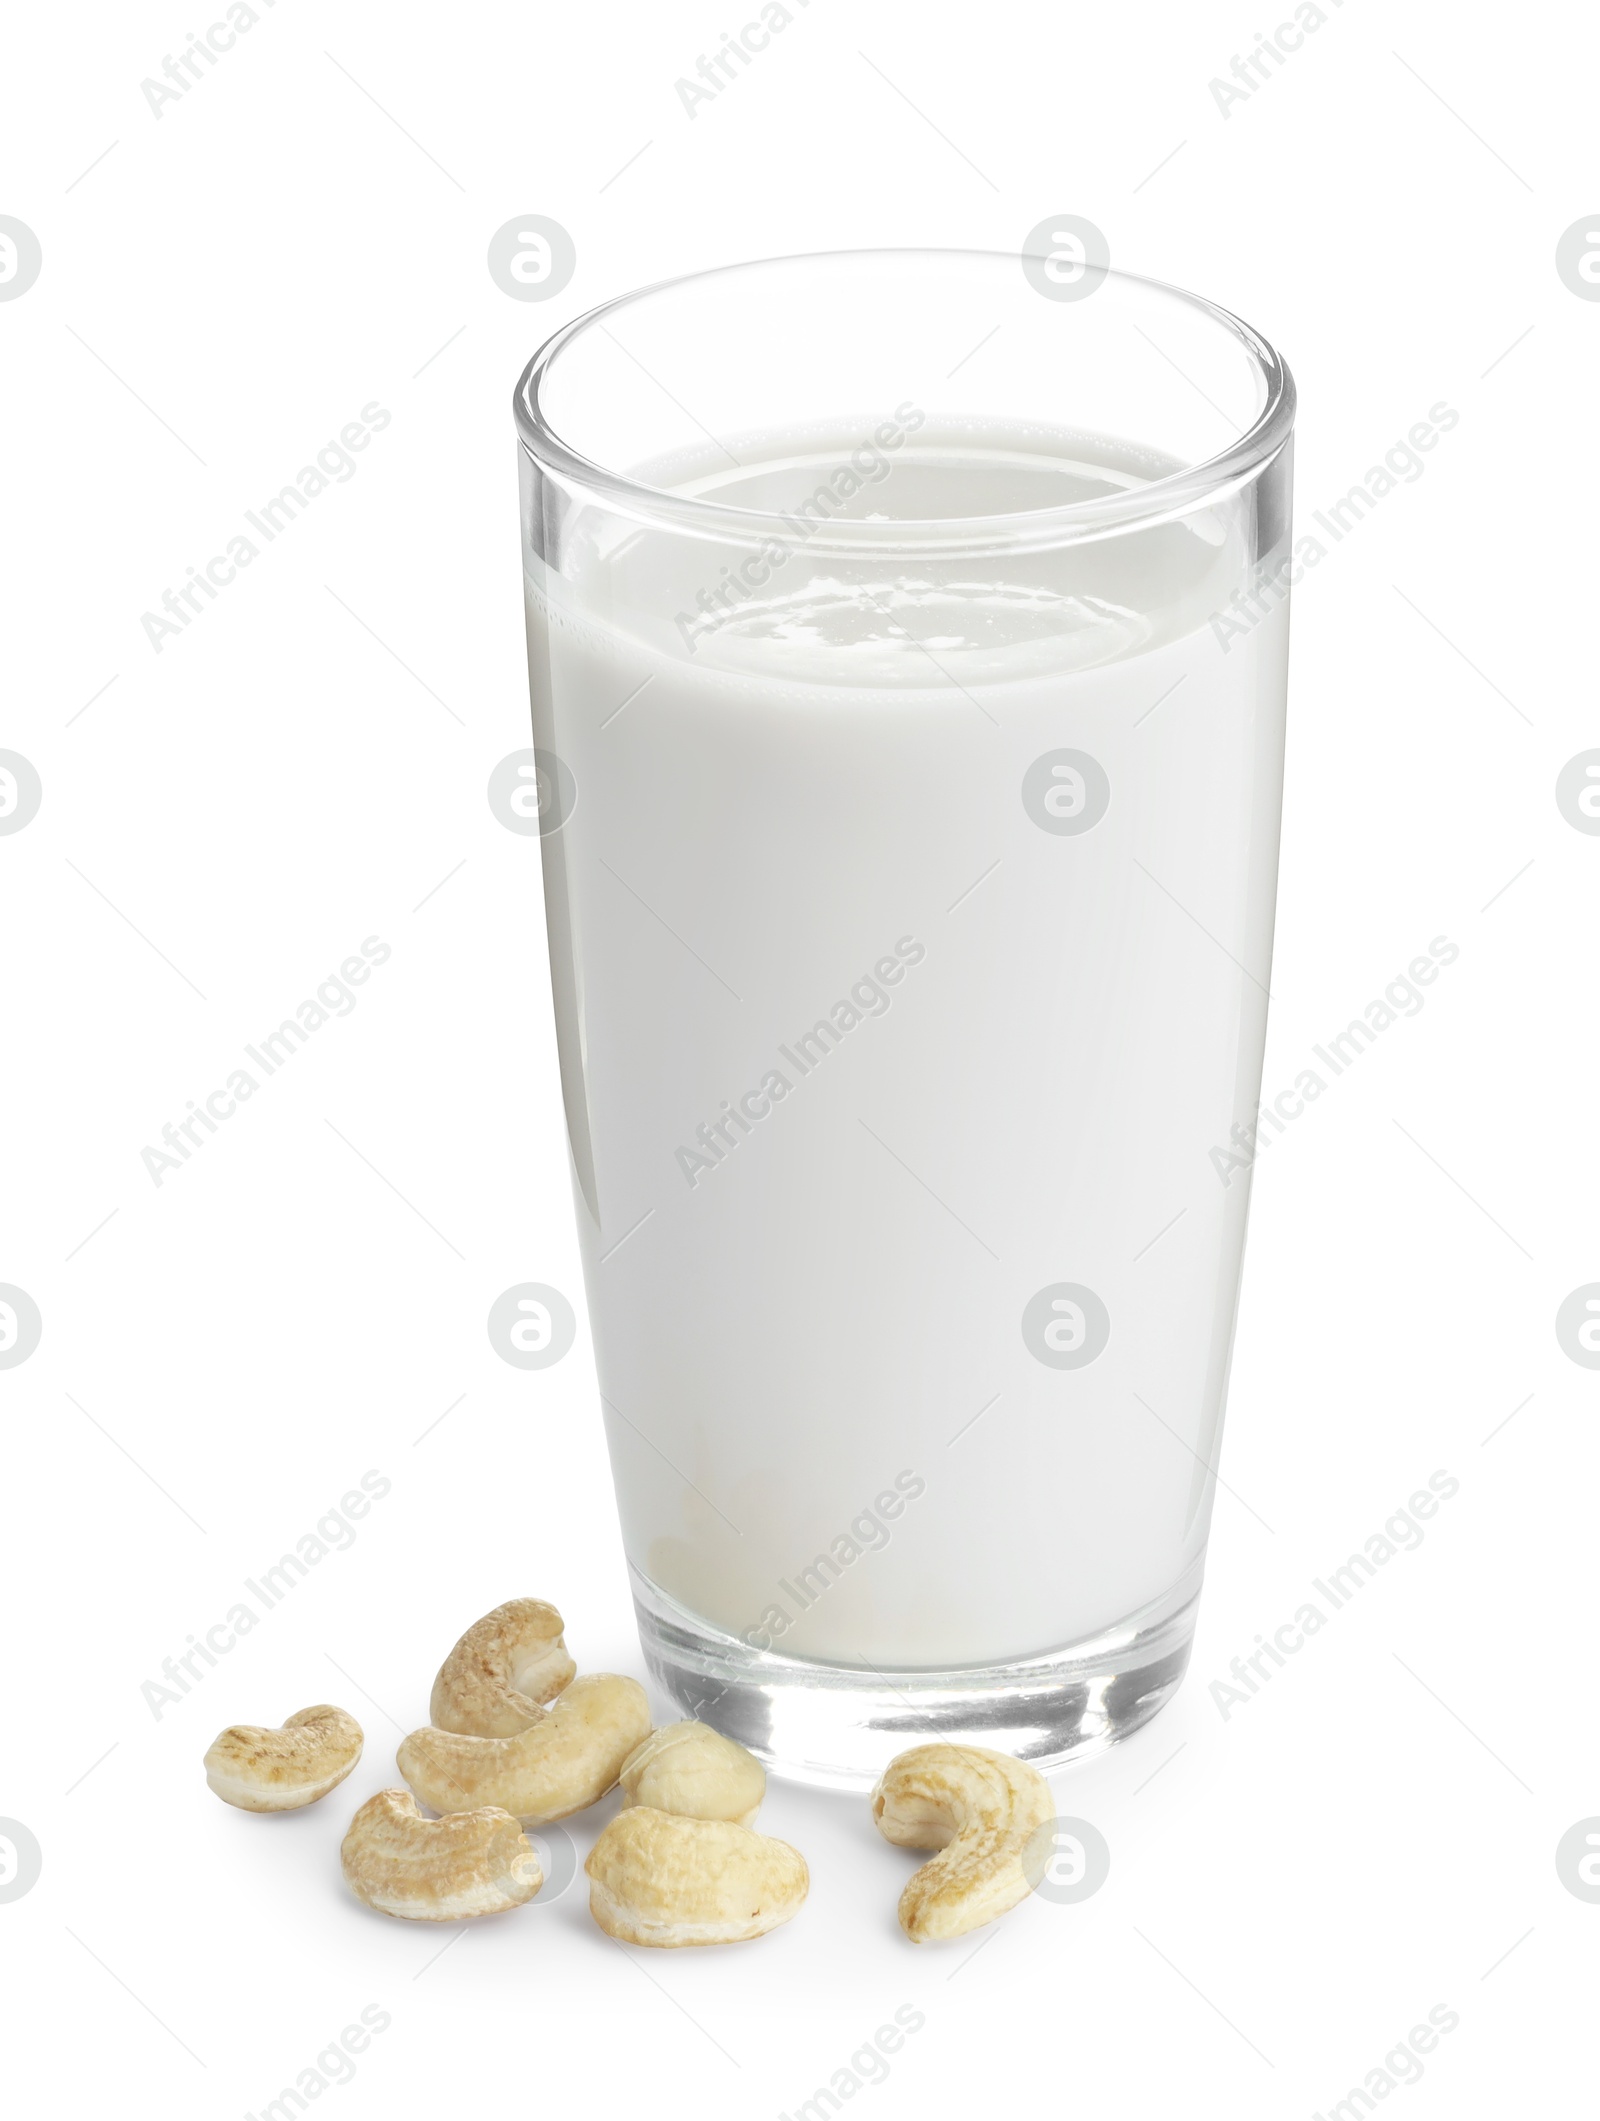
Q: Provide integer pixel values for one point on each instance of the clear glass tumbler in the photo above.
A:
(907, 633)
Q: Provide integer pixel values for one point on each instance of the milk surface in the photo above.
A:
(880, 1022)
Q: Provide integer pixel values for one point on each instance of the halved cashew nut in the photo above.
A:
(979, 1809)
(437, 1870)
(565, 1761)
(657, 1879)
(262, 1770)
(693, 1771)
(502, 1671)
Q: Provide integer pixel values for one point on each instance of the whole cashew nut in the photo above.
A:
(565, 1761)
(502, 1671)
(693, 1771)
(437, 1870)
(979, 1809)
(657, 1879)
(262, 1770)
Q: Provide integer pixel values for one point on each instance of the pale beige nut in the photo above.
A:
(661, 1880)
(565, 1761)
(262, 1770)
(979, 1809)
(502, 1671)
(692, 1770)
(437, 1870)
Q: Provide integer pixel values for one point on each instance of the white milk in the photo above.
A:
(1035, 1040)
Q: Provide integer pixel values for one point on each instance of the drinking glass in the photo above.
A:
(907, 636)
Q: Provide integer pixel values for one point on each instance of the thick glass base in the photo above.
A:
(838, 1726)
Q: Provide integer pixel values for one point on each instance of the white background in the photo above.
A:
(304, 232)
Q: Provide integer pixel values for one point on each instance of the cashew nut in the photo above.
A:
(567, 1759)
(262, 1770)
(658, 1879)
(693, 1771)
(979, 1809)
(437, 1870)
(504, 1668)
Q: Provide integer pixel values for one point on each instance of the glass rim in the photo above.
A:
(1161, 500)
